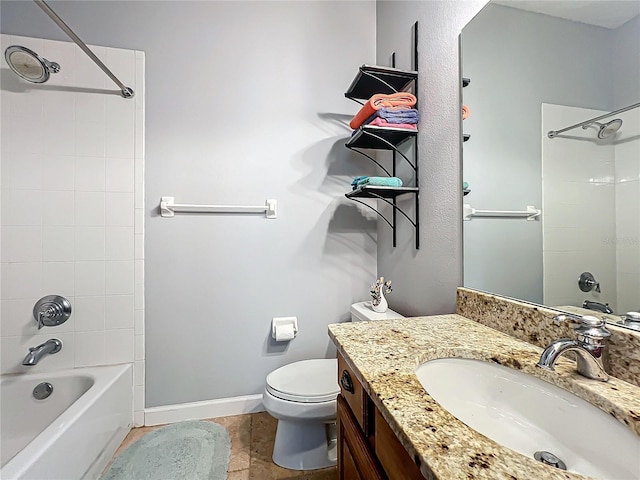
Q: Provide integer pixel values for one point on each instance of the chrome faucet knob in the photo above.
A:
(51, 311)
(587, 325)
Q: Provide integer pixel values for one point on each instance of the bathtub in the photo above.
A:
(70, 435)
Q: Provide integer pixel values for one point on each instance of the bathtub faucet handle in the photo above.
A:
(51, 311)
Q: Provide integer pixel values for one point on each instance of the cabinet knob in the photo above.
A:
(346, 382)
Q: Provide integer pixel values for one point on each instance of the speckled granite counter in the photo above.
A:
(385, 354)
(534, 324)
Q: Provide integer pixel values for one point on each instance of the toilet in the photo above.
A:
(302, 396)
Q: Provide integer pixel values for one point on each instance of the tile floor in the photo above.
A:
(252, 438)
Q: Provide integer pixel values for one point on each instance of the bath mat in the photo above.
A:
(193, 450)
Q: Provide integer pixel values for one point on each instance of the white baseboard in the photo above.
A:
(222, 407)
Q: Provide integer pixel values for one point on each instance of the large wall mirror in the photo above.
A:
(536, 67)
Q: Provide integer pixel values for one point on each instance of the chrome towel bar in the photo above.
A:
(168, 208)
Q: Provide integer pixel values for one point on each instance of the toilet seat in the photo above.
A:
(307, 381)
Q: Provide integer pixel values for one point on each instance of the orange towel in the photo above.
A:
(465, 112)
(379, 100)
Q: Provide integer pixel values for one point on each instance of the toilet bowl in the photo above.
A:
(302, 396)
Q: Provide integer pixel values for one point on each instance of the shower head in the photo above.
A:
(28, 65)
(606, 129)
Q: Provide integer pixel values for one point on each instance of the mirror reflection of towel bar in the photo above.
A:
(531, 213)
(168, 208)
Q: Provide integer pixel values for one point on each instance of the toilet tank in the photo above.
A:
(362, 311)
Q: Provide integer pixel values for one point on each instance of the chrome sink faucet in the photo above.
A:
(590, 347)
(51, 346)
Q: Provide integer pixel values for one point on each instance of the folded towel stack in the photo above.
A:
(376, 181)
(381, 122)
(402, 115)
(397, 110)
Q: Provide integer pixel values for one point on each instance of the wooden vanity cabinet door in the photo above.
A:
(355, 459)
(392, 456)
(351, 390)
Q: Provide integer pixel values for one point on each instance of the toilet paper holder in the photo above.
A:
(278, 322)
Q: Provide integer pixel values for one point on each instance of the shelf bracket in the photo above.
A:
(395, 207)
(375, 210)
(355, 149)
(393, 147)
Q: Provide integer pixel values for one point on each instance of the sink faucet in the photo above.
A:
(51, 346)
(590, 347)
(597, 306)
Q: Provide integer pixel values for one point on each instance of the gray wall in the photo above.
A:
(626, 63)
(517, 60)
(425, 280)
(244, 101)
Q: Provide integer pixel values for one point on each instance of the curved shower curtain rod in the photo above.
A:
(125, 91)
(553, 133)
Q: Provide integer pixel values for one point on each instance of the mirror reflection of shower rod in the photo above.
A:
(125, 91)
(553, 133)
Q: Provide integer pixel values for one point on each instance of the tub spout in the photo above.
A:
(51, 346)
(597, 306)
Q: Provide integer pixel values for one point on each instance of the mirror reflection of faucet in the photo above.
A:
(587, 282)
(597, 306)
(632, 320)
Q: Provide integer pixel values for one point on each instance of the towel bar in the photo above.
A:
(168, 208)
(531, 213)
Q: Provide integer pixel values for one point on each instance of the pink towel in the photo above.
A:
(393, 101)
(381, 122)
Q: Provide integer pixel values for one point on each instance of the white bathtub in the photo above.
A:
(71, 435)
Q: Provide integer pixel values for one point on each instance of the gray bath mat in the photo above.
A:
(194, 450)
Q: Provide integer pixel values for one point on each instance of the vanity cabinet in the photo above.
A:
(367, 447)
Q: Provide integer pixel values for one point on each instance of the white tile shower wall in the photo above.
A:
(72, 210)
(627, 187)
(578, 186)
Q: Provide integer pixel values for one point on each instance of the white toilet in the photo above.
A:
(302, 396)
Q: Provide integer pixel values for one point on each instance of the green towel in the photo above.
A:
(380, 182)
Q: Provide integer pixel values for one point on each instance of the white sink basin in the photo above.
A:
(529, 415)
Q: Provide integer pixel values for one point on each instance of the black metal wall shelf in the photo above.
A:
(372, 191)
(380, 138)
(372, 79)
(465, 82)
(369, 81)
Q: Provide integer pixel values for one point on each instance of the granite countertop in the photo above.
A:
(384, 356)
